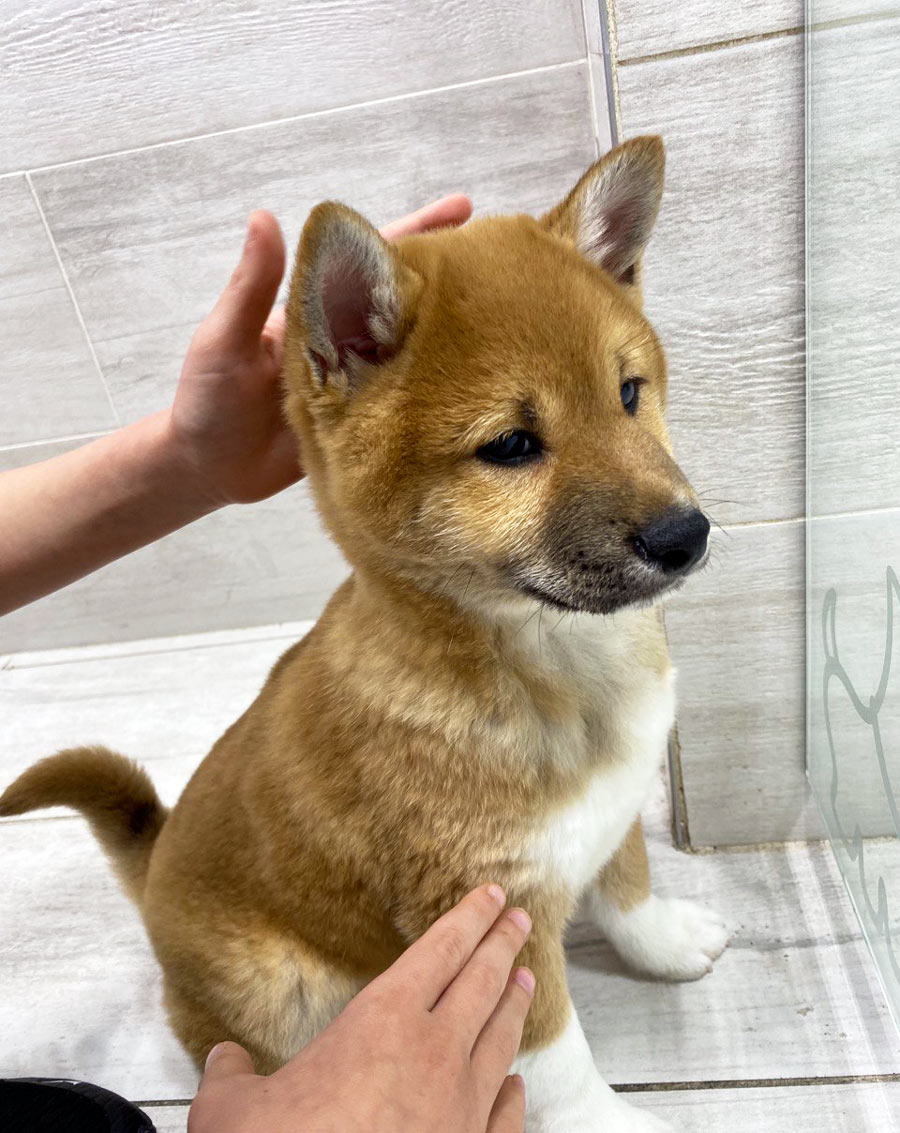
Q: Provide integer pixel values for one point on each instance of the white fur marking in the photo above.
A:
(565, 1093)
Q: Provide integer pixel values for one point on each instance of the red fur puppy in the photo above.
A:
(481, 413)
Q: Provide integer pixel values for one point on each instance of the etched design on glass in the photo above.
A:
(868, 712)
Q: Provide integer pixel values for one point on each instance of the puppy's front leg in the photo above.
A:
(564, 1091)
(663, 937)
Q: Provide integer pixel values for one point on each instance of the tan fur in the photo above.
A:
(625, 879)
(412, 744)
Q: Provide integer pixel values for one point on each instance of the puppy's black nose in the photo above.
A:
(675, 541)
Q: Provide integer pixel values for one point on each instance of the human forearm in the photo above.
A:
(65, 517)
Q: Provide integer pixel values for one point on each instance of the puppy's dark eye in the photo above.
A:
(511, 448)
(629, 394)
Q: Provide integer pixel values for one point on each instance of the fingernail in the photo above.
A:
(497, 893)
(521, 918)
(214, 1053)
(524, 977)
(519, 1082)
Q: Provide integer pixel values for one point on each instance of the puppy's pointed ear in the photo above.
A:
(610, 213)
(352, 298)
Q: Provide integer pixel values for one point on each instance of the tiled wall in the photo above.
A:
(134, 141)
(724, 284)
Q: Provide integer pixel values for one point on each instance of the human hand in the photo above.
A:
(425, 1048)
(225, 425)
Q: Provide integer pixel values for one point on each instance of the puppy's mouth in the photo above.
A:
(604, 589)
(600, 576)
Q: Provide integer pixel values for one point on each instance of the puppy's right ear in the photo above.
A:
(352, 298)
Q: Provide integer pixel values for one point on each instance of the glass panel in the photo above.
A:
(853, 461)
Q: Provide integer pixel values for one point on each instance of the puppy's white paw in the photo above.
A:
(667, 938)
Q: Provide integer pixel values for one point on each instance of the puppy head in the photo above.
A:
(481, 409)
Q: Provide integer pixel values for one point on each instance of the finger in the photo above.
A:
(508, 1114)
(452, 210)
(226, 1060)
(437, 957)
(238, 318)
(498, 1043)
(472, 998)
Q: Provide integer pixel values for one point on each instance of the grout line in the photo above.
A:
(852, 514)
(717, 45)
(55, 440)
(764, 522)
(78, 314)
(756, 1083)
(145, 647)
(680, 826)
(761, 37)
(468, 83)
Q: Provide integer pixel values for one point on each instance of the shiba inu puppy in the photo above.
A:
(488, 696)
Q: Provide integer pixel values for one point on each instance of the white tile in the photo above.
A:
(238, 567)
(197, 67)
(794, 995)
(149, 238)
(736, 633)
(49, 384)
(168, 1118)
(854, 267)
(651, 27)
(724, 271)
(165, 707)
(852, 1108)
(858, 1107)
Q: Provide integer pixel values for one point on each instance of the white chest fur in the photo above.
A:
(631, 708)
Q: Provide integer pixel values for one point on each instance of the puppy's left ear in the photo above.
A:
(610, 213)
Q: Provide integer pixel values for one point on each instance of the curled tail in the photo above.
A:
(113, 793)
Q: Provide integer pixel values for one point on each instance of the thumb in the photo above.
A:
(238, 318)
(225, 1061)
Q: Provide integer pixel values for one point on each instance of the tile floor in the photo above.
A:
(790, 1032)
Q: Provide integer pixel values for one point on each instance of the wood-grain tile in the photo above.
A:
(238, 567)
(195, 68)
(737, 638)
(802, 1109)
(165, 708)
(851, 1108)
(854, 267)
(724, 271)
(49, 384)
(149, 238)
(794, 995)
(650, 27)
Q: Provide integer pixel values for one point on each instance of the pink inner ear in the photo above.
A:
(347, 302)
(623, 237)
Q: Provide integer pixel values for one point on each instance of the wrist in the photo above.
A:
(177, 470)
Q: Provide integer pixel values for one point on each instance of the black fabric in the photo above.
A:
(54, 1105)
